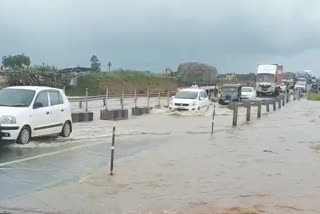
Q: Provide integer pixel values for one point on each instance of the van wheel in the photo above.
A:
(24, 136)
(66, 130)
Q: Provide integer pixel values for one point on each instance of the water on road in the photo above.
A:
(170, 163)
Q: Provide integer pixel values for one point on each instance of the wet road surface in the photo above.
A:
(169, 160)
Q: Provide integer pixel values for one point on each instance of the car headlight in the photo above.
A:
(8, 120)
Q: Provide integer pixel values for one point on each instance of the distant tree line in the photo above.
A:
(22, 62)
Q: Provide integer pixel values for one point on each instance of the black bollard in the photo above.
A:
(259, 109)
(248, 105)
(274, 102)
(235, 114)
(112, 150)
(267, 106)
(279, 102)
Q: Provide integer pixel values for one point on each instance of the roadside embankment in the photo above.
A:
(128, 81)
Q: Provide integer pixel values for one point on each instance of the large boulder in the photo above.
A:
(200, 73)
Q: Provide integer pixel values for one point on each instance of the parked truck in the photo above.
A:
(269, 79)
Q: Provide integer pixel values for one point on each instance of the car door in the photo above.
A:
(206, 99)
(41, 114)
(58, 110)
(202, 99)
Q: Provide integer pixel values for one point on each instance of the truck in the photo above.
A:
(289, 79)
(269, 79)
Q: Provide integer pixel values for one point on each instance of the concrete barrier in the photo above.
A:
(82, 117)
(136, 111)
(114, 114)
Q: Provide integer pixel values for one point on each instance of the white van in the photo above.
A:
(32, 111)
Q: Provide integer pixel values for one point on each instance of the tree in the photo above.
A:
(95, 64)
(16, 61)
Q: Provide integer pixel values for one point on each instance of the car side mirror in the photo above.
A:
(37, 105)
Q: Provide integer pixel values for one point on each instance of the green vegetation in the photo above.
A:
(313, 96)
(16, 61)
(95, 64)
(126, 80)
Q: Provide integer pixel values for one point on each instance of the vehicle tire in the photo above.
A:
(24, 136)
(66, 129)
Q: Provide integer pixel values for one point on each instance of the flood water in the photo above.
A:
(170, 163)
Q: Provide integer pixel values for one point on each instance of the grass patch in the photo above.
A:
(117, 81)
(314, 96)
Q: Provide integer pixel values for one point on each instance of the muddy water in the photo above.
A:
(267, 166)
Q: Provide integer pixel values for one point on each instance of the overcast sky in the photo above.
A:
(233, 35)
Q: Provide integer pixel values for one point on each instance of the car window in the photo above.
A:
(42, 99)
(205, 94)
(55, 98)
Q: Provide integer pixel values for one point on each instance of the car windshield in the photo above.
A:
(16, 97)
(229, 89)
(265, 78)
(246, 90)
(187, 95)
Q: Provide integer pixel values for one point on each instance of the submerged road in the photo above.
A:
(175, 144)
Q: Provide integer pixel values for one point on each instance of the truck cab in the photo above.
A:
(269, 79)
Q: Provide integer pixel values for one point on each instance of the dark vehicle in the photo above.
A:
(230, 93)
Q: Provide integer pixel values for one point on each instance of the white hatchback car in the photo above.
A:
(32, 111)
(190, 99)
(248, 93)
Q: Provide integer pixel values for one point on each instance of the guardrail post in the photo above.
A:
(159, 97)
(283, 100)
(168, 101)
(267, 106)
(122, 99)
(259, 108)
(294, 94)
(288, 97)
(135, 98)
(213, 114)
(279, 102)
(248, 106)
(106, 100)
(235, 114)
(80, 104)
(274, 103)
(87, 94)
(299, 94)
(148, 99)
(112, 150)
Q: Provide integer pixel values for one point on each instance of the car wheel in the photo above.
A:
(24, 136)
(66, 130)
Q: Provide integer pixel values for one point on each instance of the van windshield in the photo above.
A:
(186, 95)
(16, 97)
